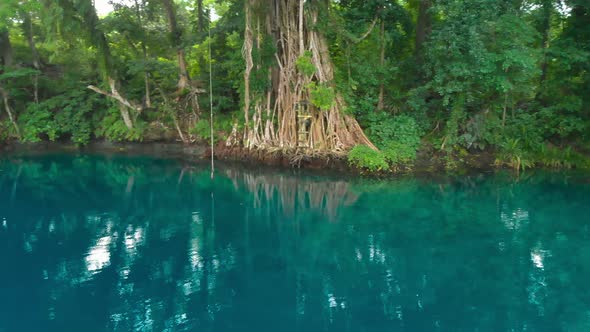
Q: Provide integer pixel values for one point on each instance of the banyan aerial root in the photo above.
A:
(283, 114)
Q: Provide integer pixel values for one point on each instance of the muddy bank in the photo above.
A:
(426, 162)
(162, 149)
(282, 158)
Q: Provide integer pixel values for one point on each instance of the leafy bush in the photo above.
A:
(74, 116)
(529, 131)
(482, 130)
(364, 157)
(37, 120)
(68, 114)
(202, 130)
(398, 137)
(396, 152)
(113, 128)
(6, 130)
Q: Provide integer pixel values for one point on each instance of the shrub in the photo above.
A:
(482, 130)
(398, 137)
(512, 154)
(555, 157)
(113, 128)
(6, 130)
(364, 157)
(202, 130)
(396, 152)
(67, 114)
(37, 120)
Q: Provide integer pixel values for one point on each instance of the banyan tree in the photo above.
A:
(290, 100)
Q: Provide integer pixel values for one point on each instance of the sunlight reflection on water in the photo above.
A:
(99, 255)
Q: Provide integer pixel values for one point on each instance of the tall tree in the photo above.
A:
(139, 6)
(177, 42)
(82, 14)
(6, 59)
(423, 26)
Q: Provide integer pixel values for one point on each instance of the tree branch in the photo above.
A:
(367, 33)
(115, 95)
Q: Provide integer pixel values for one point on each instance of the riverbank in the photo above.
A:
(163, 149)
(427, 161)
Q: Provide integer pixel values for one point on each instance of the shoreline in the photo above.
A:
(425, 163)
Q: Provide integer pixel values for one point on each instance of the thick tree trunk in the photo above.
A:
(146, 75)
(423, 27)
(5, 49)
(187, 94)
(183, 77)
(176, 38)
(273, 116)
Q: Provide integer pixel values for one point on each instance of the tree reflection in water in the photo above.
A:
(94, 243)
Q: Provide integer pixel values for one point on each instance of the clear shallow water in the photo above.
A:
(99, 244)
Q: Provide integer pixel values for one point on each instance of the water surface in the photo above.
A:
(91, 243)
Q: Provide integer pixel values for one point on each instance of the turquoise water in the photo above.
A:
(90, 243)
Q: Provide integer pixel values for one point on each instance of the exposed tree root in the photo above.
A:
(271, 116)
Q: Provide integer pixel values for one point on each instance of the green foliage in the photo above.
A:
(481, 130)
(305, 64)
(37, 121)
(398, 137)
(202, 130)
(511, 154)
(322, 95)
(74, 113)
(527, 130)
(452, 126)
(5, 130)
(16, 73)
(222, 126)
(112, 128)
(66, 115)
(364, 157)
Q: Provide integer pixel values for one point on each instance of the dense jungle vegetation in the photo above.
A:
(381, 80)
